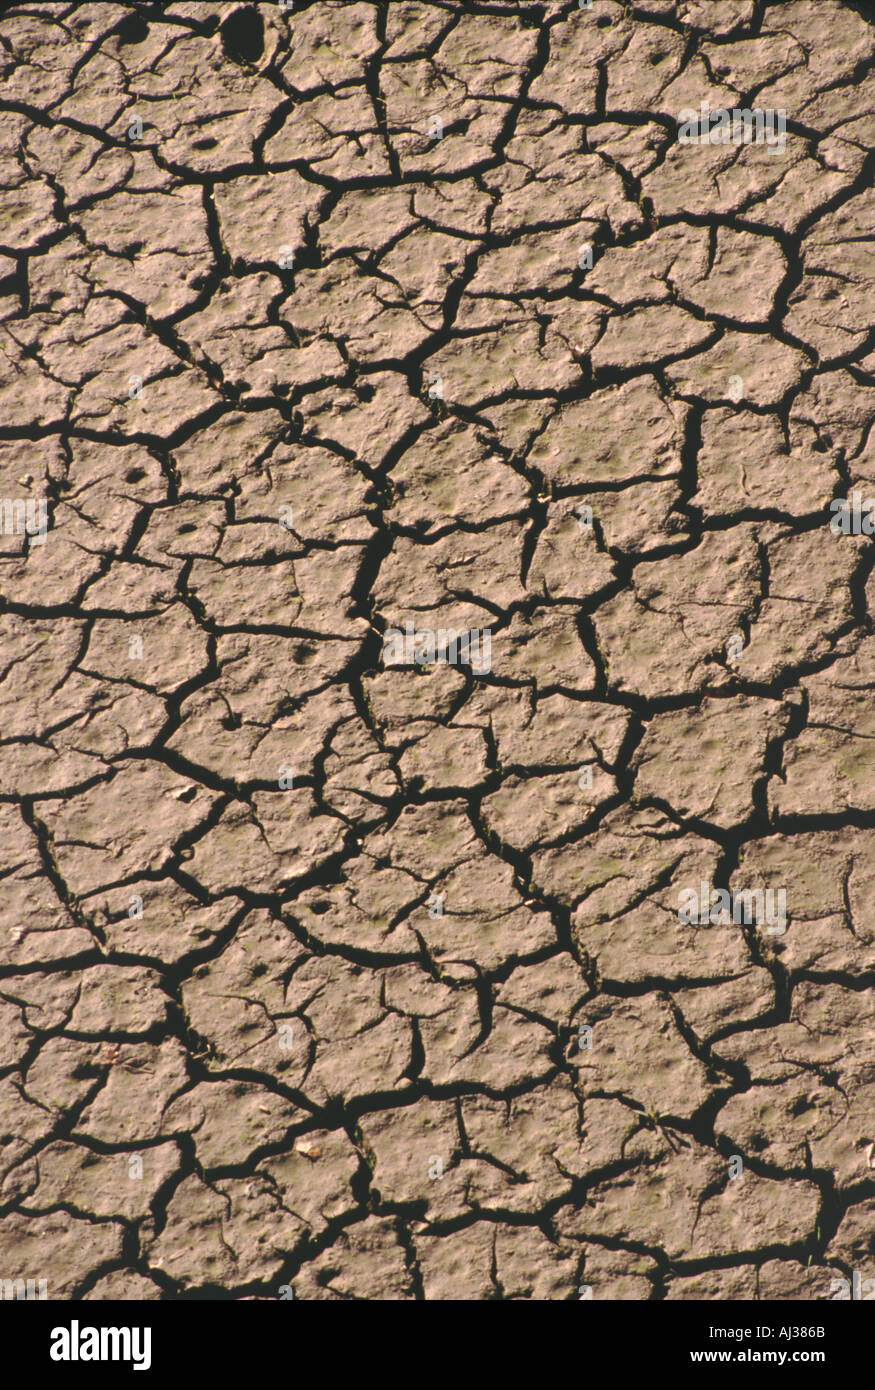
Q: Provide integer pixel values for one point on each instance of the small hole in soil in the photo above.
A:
(133, 29)
(243, 35)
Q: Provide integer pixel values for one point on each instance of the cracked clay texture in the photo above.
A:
(342, 958)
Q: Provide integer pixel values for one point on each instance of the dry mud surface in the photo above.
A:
(333, 977)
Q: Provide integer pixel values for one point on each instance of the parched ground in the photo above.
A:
(323, 976)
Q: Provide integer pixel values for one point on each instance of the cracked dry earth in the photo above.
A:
(301, 948)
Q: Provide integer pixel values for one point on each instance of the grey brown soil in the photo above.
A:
(331, 978)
